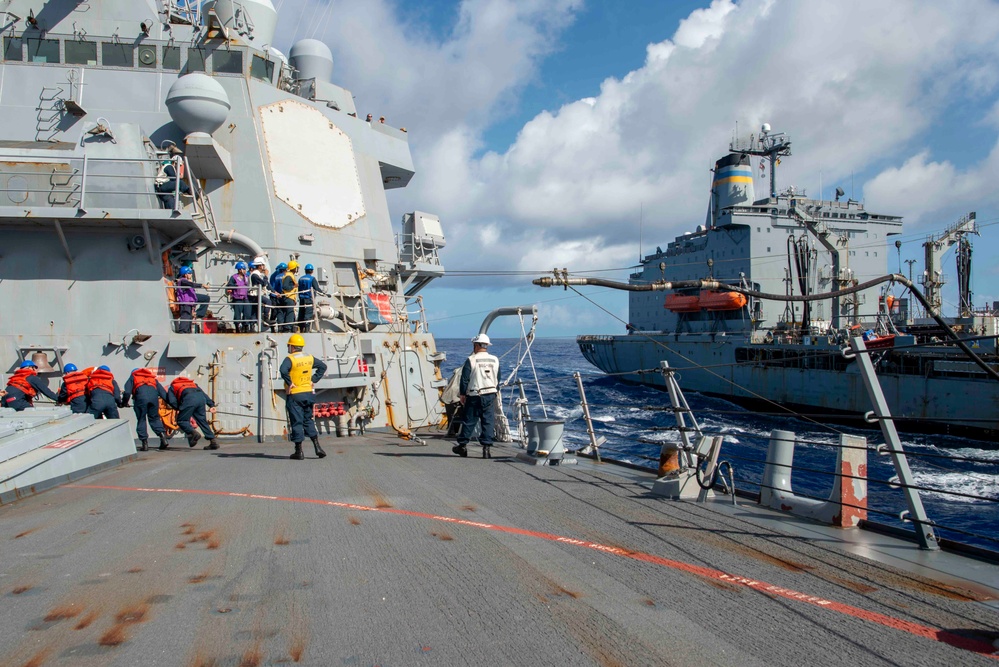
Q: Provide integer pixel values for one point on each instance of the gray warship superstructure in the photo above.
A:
(96, 97)
(764, 352)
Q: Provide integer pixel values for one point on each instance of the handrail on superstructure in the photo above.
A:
(83, 182)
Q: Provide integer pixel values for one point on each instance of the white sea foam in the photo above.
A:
(983, 487)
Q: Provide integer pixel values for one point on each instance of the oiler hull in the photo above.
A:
(813, 380)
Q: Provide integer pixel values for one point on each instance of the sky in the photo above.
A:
(581, 133)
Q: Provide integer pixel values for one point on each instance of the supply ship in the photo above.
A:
(773, 354)
(275, 164)
(377, 554)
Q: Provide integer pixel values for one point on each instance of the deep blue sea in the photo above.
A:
(625, 413)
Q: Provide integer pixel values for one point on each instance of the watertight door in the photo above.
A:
(417, 403)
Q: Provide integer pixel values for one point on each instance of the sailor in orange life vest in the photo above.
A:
(477, 392)
(143, 385)
(73, 390)
(23, 386)
(190, 401)
(103, 393)
(299, 371)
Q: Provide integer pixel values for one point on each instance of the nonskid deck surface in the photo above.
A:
(389, 555)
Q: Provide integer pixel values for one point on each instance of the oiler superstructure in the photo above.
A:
(96, 97)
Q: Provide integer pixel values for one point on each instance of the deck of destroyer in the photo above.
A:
(383, 555)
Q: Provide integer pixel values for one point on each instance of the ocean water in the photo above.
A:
(962, 497)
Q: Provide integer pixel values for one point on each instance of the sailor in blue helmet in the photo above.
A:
(275, 279)
(23, 386)
(308, 287)
(238, 289)
(143, 385)
(73, 390)
(187, 298)
(103, 393)
(190, 401)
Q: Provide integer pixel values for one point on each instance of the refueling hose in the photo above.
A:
(561, 278)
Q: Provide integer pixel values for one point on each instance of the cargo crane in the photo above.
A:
(934, 249)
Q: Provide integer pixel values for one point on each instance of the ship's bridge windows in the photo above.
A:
(81, 53)
(171, 58)
(12, 49)
(227, 62)
(43, 50)
(261, 68)
(195, 60)
(117, 55)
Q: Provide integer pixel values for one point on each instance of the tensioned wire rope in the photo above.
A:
(693, 364)
(465, 273)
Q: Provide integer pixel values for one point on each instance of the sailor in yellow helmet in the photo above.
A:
(299, 372)
(288, 297)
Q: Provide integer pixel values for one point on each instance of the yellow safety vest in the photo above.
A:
(301, 373)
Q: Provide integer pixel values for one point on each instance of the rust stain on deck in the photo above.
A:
(63, 612)
(86, 621)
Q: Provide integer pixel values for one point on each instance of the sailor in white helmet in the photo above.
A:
(477, 392)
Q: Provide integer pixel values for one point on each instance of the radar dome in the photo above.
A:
(278, 55)
(313, 60)
(253, 20)
(197, 103)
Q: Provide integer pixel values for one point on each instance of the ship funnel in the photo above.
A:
(253, 21)
(197, 103)
(733, 183)
(313, 60)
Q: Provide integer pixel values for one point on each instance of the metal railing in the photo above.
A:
(896, 500)
(417, 249)
(84, 182)
(266, 314)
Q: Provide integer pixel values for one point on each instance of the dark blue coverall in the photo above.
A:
(192, 403)
(286, 314)
(146, 406)
(16, 400)
(478, 411)
(261, 283)
(299, 406)
(78, 405)
(308, 287)
(165, 191)
(105, 404)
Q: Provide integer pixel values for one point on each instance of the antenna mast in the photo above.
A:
(770, 145)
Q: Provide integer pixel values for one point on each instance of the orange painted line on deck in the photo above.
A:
(916, 629)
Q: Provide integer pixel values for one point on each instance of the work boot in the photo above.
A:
(486, 453)
(212, 444)
(460, 450)
(192, 439)
(319, 450)
(163, 442)
(143, 445)
(298, 455)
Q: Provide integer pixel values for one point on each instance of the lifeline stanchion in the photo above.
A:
(924, 528)
(595, 442)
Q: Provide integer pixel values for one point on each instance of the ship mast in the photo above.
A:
(769, 146)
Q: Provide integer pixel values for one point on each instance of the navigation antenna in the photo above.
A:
(769, 145)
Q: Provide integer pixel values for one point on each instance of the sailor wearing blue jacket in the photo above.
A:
(308, 287)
